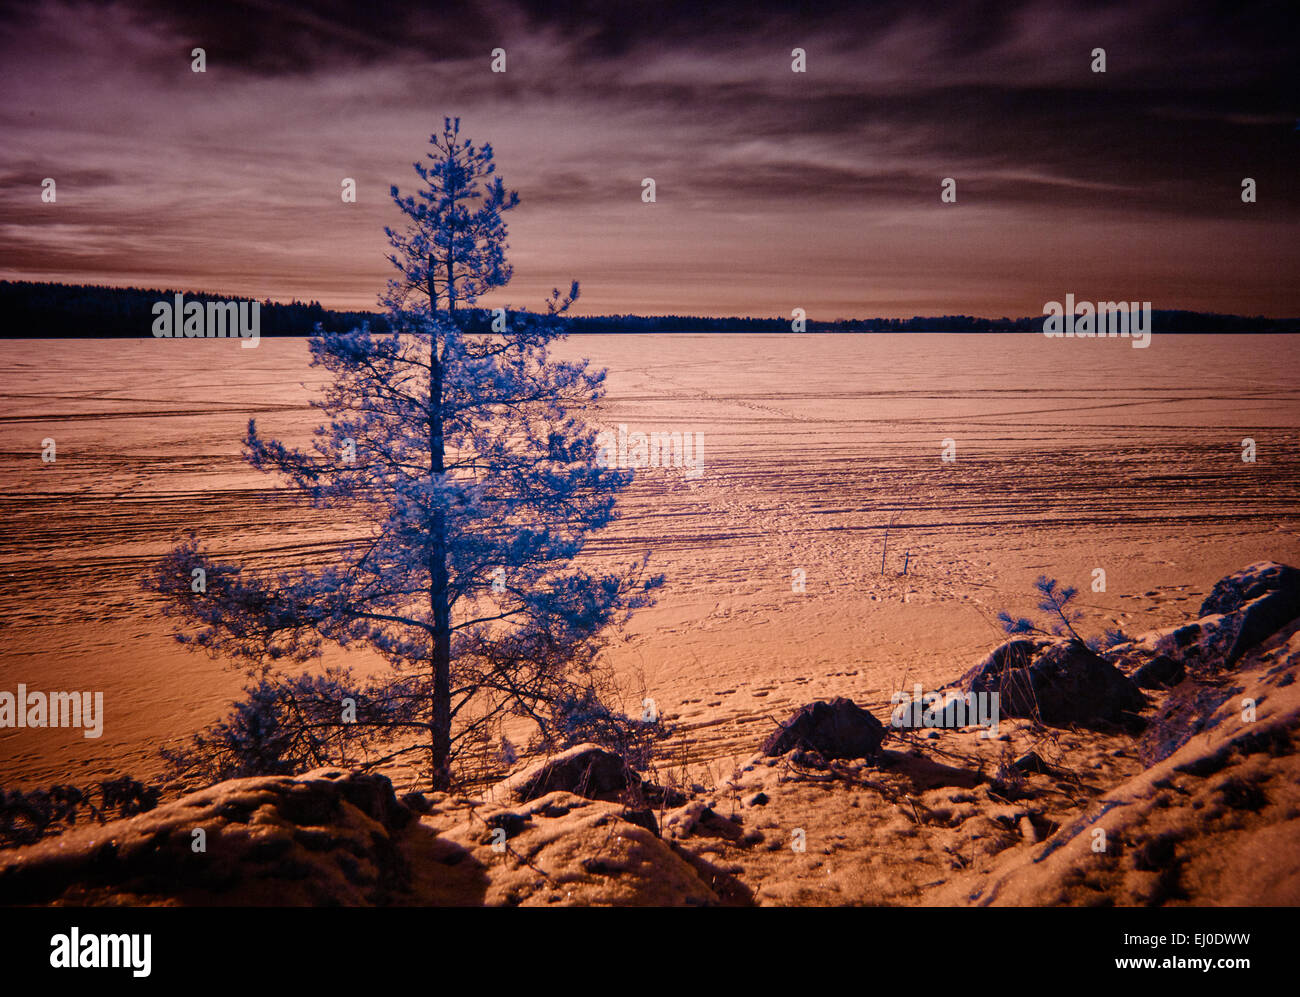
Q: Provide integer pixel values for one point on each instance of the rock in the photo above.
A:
(1232, 592)
(567, 851)
(1159, 673)
(698, 819)
(1182, 717)
(1243, 610)
(334, 839)
(809, 759)
(1212, 824)
(1056, 681)
(642, 818)
(1032, 762)
(838, 729)
(511, 823)
(1202, 644)
(1260, 619)
(324, 838)
(662, 797)
(682, 822)
(417, 801)
(584, 770)
(936, 709)
(759, 799)
(329, 838)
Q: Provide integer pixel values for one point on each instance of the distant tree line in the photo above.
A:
(48, 310)
(695, 323)
(1162, 321)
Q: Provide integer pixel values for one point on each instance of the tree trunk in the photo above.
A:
(439, 597)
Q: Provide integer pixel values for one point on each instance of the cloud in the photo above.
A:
(233, 175)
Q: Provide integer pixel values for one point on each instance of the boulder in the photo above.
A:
(1255, 603)
(1259, 619)
(586, 770)
(564, 850)
(1232, 592)
(944, 709)
(1202, 644)
(511, 823)
(836, 729)
(1180, 718)
(1159, 673)
(329, 838)
(661, 797)
(1056, 681)
(324, 838)
(1032, 762)
(1211, 822)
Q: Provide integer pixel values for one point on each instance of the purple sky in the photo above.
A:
(776, 190)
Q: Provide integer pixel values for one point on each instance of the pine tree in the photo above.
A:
(466, 457)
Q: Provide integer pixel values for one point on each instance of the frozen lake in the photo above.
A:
(1069, 455)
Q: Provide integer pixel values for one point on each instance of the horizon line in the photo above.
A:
(618, 315)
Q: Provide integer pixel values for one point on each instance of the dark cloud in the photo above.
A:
(829, 179)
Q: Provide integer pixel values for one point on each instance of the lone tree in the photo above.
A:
(462, 452)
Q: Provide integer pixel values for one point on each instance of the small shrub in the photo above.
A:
(580, 716)
(28, 817)
(1057, 602)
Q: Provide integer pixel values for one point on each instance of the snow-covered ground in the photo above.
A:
(1071, 455)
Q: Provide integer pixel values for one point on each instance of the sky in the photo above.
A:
(775, 190)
